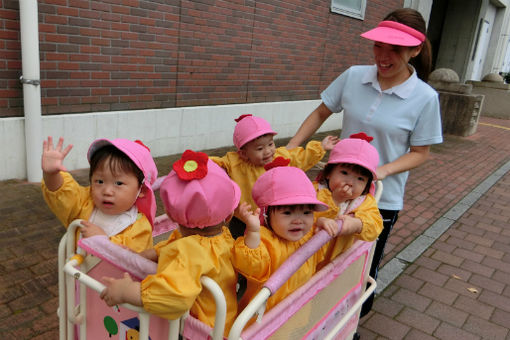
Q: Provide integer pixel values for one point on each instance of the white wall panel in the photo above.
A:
(165, 131)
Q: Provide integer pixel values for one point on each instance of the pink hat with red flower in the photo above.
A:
(141, 156)
(248, 128)
(197, 193)
(284, 185)
(356, 150)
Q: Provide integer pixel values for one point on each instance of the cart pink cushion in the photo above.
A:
(124, 259)
(296, 260)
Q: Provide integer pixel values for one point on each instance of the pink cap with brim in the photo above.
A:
(355, 151)
(200, 202)
(141, 156)
(248, 128)
(285, 185)
(395, 33)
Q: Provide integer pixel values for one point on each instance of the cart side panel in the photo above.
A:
(316, 308)
(319, 315)
(105, 322)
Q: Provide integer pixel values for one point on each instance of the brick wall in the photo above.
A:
(135, 54)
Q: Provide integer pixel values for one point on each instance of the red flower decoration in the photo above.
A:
(241, 117)
(278, 161)
(363, 136)
(192, 165)
(140, 142)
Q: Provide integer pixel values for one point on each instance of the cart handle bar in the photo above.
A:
(296, 260)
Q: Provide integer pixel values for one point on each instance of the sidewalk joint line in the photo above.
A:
(495, 125)
(396, 266)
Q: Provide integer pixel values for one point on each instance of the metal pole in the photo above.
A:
(31, 87)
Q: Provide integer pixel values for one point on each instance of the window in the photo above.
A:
(351, 8)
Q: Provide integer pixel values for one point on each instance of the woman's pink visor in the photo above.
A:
(395, 33)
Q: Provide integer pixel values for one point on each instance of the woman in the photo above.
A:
(392, 102)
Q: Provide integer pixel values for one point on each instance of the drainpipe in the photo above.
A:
(31, 87)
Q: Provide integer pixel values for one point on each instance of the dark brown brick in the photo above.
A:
(412, 299)
(473, 306)
(446, 331)
(387, 307)
(418, 320)
(485, 329)
(19, 318)
(446, 313)
(386, 327)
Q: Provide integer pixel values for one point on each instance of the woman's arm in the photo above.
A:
(416, 156)
(310, 125)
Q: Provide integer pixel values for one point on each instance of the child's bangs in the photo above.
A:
(111, 157)
(256, 139)
(358, 169)
(293, 207)
(361, 170)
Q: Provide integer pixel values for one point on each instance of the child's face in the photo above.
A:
(259, 151)
(345, 183)
(113, 193)
(291, 224)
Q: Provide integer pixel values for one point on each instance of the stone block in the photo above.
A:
(497, 98)
(460, 112)
(451, 87)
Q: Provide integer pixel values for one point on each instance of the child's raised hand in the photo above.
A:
(89, 229)
(53, 157)
(252, 232)
(249, 217)
(329, 142)
(350, 225)
(331, 226)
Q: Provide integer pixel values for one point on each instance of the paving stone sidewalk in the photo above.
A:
(459, 288)
(429, 300)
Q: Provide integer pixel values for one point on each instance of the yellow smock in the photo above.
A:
(72, 201)
(176, 286)
(245, 173)
(258, 264)
(367, 212)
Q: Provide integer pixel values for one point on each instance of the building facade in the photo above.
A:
(176, 73)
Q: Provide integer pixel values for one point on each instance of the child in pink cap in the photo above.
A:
(201, 198)
(119, 203)
(287, 201)
(253, 138)
(344, 185)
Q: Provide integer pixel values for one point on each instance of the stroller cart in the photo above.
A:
(83, 315)
(326, 307)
